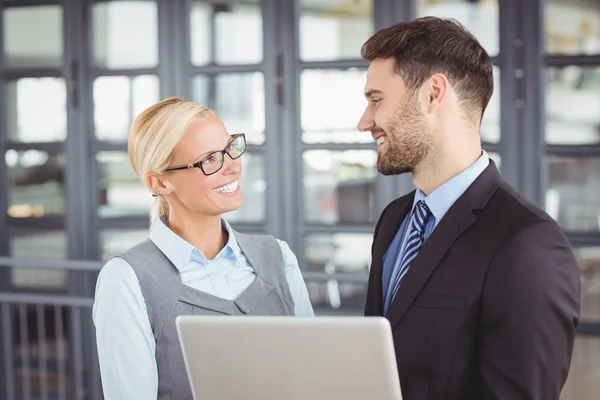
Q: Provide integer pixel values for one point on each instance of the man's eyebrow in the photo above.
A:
(371, 92)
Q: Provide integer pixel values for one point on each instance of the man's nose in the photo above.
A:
(366, 122)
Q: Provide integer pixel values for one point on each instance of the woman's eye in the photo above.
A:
(210, 159)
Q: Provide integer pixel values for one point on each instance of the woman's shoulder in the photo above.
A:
(260, 237)
(251, 240)
(117, 287)
(117, 271)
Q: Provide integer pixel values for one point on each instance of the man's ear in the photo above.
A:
(437, 88)
(157, 184)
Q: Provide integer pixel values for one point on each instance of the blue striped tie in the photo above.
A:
(414, 243)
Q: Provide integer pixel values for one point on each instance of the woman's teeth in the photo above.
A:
(232, 187)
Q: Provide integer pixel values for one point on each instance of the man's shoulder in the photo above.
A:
(510, 204)
(512, 218)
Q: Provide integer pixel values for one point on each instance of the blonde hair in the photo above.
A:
(152, 138)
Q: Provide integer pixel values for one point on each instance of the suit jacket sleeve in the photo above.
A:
(376, 231)
(371, 292)
(529, 311)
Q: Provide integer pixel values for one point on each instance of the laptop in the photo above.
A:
(289, 358)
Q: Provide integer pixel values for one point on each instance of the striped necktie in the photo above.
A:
(415, 241)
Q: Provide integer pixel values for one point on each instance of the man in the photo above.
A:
(481, 287)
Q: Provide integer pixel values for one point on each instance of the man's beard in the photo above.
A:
(408, 140)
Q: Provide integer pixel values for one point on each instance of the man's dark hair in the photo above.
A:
(430, 45)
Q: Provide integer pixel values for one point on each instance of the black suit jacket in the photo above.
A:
(489, 307)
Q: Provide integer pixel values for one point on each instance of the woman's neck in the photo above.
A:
(205, 233)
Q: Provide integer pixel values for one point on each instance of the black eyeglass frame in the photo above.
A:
(221, 152)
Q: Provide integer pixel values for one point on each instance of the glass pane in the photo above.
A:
(583, 382)
(226, 33)
(348, 253)
(479, 17)
(573, 196)
(125, 34)
(490, 125)
(572, 27)
(337, 298)
(36, 110)
(36, 182)
(120, 191)
(28, 243)
(334, 29)
(339, 186)
(118, 100)
(254, 185)
(322, 122)
(238, 99)
(339, 252)
(589, 266)
(115, 241)
(572, 101)
(25, 47)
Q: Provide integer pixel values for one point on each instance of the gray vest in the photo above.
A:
(166, 297)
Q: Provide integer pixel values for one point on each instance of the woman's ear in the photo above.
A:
(157, 184)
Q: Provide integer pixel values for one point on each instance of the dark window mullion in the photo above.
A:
(310, 228)
(99, 72)
(49, 147)
(576, 60)
(215, 69)
(15, 74)
(334, 64)
(44, 223)
(4, 273)
(26, 3)
(588, 150)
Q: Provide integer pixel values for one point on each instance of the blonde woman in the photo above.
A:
(193, 261)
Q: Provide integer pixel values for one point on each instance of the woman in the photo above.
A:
(193, 261)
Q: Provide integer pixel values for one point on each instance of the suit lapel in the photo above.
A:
(390, 222)
(458, 218)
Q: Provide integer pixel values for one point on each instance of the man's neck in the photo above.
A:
(439, 168)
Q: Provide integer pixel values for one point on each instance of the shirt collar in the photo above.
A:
(441, 199)
(180, 252)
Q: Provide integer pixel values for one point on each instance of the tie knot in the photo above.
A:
(422, 205)
(422, 214)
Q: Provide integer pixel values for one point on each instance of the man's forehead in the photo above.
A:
(381, 75)
(382, 66)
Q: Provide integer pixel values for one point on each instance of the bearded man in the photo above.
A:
(481, 288)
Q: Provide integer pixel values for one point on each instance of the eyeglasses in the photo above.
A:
(212, 163)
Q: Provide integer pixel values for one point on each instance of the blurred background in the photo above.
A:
(288, 74)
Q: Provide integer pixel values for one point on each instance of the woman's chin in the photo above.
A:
(231, 203)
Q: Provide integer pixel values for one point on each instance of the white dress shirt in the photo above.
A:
(126, 345)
